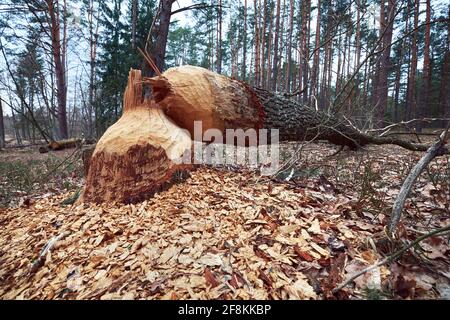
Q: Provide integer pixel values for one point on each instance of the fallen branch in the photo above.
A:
(431, 153)
(404, 123)
(39, 262)
(392, 257)
(409, 133)
(64, 144)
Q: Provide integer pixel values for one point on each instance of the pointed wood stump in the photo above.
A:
(137, 156)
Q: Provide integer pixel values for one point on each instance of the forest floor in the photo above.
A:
(226, 234)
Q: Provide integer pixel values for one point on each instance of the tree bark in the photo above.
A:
(315, 69)
(268, 83)
(382, 92)
(275, 50)
(444, 94)
(161, 32)
(2, 126)
(93, 40)
(426, 74)
(257, 45)
(263, 45)
(244, 49)
(59, 58)
(304, 62)
(219, 39)
(411, 104)
(289, 47)
(134, 9)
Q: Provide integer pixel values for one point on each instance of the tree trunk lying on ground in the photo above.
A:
(60, 145)
(139, 154)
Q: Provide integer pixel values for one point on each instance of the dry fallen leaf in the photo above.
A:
(300, 290)
(210, 259)
(315, 227)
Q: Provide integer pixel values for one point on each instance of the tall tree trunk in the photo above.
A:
(339, 62)
(426, 77)
(358, 46)
(275, 49)
(400, 54)
(269, 52)
(2, 126)
(15, 129)
(93, 41)
(305, 50)
(315, 68)
(329, 75)
(219, 39)
(161, 32)
(263, 45)
(244, 53)
(382, 91)
(257, 46)
(134, 9)
(411, 94)
(60, 67)
(234, 53)
(281, 61)
(444, 94)
(398, 74)
(324, 82)
(289, 47)
(378, 65)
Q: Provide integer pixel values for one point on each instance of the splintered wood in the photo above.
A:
(190, 93)
(137, 155)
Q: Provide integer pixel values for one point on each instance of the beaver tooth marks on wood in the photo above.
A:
(187, 94)
(138, 155)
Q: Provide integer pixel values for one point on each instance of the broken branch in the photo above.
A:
(431, 153)
(392, 257)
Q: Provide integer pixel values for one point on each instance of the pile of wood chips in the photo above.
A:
(219, 235)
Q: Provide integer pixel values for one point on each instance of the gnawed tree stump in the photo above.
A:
(138, 155)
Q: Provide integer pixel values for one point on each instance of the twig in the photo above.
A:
(409, 133)
(404, 123)
(431, 153)
(391, 258)
(39, 262)
(150, 62)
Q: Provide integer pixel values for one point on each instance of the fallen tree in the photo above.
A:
(191, 93)
(140, 154)
(60, 145)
